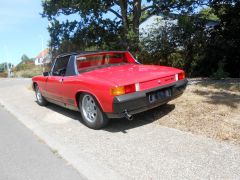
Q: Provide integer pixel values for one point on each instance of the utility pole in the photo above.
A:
(7, 61)
(42, 53)
(8, 70)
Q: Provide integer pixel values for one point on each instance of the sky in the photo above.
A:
(22, 30)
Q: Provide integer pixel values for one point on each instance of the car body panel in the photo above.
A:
(132, 73)
(98, 88)
(63, 90)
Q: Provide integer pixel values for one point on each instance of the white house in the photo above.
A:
(43, 57)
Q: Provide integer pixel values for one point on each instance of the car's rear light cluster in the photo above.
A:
(120, 90)
(180, 76)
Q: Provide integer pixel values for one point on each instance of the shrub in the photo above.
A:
(29, 73)
(220, 73)
(3, 74)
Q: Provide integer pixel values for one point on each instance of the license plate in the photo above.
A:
(159, 95)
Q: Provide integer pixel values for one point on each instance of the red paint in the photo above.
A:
(100, 81)
(157, 82)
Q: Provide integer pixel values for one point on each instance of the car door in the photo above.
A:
(69, 84)
(53, 88)
(54, 84)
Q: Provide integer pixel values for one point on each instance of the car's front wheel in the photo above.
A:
(91, 112)
(40, 99)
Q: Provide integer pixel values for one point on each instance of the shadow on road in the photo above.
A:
(147, 117)
(120, 125)
(66, 112)
(224, 98)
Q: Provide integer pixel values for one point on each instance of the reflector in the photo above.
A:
(116, 91)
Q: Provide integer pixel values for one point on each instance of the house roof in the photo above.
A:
(43, 53)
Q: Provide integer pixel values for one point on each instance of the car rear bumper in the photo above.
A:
(139, 101)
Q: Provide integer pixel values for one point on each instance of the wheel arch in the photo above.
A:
(34, 84)
(78, 94)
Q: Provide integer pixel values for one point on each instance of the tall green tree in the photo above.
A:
(179, 43)
(25, 58)
(25, 63)
(223, 51)
(105, 23)
(207, 13)
(158, 42)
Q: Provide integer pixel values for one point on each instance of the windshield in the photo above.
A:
(90, 61)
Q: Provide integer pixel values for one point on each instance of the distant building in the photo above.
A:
(158, 21)
(43, 57)
(155, 21)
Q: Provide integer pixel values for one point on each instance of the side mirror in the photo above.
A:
(45, 73)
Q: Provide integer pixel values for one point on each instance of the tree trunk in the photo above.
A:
(131, 43)
(124, 6)
(136, 16)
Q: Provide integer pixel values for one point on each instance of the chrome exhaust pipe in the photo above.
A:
(128, 116)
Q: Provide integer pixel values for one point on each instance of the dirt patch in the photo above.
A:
(210, 108)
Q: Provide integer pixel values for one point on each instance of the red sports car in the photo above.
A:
(103, 85)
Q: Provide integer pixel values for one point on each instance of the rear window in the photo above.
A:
(88, 61)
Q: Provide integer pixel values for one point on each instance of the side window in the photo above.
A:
(60, 66)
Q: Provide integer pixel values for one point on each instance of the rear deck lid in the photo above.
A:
(148, 76)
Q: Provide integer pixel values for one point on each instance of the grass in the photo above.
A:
(29, 73)
(56, 153)
(210, 108)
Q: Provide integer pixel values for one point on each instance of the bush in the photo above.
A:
(29, 73)
(176, 60)
(3, 74)
(220, 73)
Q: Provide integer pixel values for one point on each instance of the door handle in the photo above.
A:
(61, 80)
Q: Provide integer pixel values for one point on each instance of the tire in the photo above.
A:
(40, 99)
(91, 112)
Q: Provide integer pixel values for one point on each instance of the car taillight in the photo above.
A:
(120, 90)
(180, 76)
(130, 88)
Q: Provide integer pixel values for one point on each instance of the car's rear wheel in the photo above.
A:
(91, 112)
(40, 99)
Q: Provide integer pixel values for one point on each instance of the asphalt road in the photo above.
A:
(24, 157)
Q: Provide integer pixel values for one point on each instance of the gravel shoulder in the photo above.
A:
(209, 108)
(138, 149)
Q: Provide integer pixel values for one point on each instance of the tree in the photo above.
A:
(97, 29)
(207, 13)
(25, 59)
(158, 42)
(4, 66)
(223, 55)
(179, 42)
(26, 63)
(190, 34)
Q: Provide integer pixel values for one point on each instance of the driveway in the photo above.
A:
(138, 149)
